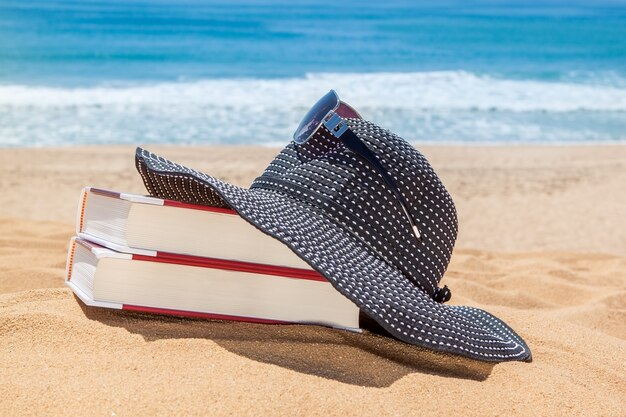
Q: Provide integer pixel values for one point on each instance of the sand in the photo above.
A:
(542, 245)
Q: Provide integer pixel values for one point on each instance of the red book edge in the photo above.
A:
(107, 193)
(81, 217)
(223, 210)
(194, 314)
(70, 259)
(170, 203)
(215, 263)
(231, 265)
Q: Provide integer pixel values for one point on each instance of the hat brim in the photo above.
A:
(376, 287)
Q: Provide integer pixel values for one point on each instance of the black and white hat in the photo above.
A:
(334, 212)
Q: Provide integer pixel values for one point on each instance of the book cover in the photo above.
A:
(269, 294)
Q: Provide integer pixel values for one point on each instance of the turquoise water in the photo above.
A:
(76, 72)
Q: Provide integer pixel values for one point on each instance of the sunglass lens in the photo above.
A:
(314, 117)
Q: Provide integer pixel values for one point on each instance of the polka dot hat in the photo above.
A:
(337, 214)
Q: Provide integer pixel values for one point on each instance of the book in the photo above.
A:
(211, 288)
(151, 226)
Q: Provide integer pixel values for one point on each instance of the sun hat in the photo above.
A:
(334, 211)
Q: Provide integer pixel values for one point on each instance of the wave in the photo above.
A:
(442, 90)
(444, 105)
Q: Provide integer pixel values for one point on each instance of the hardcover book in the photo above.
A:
(150, 226)
(205, 287)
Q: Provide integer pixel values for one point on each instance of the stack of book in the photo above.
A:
(133, 252)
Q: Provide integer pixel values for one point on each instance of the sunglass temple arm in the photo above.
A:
(339, 129)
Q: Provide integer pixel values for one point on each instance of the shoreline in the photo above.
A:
(279, 145)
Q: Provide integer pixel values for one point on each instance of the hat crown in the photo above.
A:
(323, 173)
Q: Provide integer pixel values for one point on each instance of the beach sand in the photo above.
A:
(542, 245)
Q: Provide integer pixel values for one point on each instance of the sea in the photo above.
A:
(78, 72)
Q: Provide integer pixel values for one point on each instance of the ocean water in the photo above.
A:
(243, 72)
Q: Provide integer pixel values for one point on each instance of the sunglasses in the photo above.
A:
(329, 112)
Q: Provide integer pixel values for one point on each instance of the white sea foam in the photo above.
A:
(446, 90)
(449, 105)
